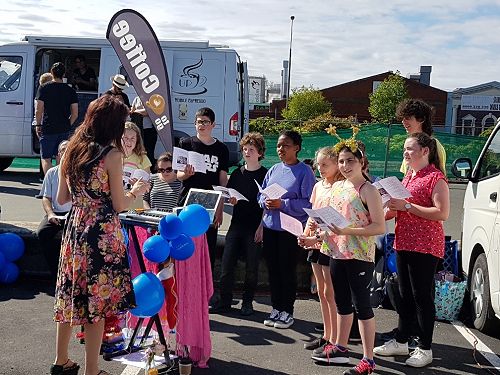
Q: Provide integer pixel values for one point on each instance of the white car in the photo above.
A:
(481, 232)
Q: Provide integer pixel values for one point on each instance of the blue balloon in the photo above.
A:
(170, 227)
(9, 273)
(156, 249)
(391, 263)
(12, 246)
(149, 295)
(3, 261)
(182, 247)
(195, 220)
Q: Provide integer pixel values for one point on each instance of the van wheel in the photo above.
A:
(483, 316)
(5, 163)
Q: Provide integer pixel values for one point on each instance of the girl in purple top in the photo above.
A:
(280, 247)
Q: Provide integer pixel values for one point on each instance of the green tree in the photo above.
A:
(385, 99)
(304, 104)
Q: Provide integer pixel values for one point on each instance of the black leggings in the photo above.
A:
(351, 283)
(416, 286)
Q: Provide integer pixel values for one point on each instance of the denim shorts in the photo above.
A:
(50, 142)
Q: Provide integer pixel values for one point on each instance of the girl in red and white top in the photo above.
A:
(419, 245)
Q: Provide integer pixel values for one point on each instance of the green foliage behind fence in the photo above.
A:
(375, 137)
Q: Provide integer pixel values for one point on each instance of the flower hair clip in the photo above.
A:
(351, 142)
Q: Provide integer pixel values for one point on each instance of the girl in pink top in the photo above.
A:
(353, 250)
(420, 244)
(326, 162)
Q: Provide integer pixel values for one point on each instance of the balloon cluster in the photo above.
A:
(174, 240)
(11, 249)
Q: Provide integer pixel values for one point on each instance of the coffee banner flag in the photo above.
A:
(140, 53)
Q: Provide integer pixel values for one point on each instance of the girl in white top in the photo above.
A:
(326, 162)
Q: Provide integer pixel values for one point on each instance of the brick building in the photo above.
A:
(352, 98)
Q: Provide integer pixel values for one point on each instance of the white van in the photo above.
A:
(201, 75)
(481, 232)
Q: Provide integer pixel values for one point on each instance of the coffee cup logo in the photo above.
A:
(156, 103)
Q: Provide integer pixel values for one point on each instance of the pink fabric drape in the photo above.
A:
(194, 289)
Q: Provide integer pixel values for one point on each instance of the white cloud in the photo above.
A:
(333, 42)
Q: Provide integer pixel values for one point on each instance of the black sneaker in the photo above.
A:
(388, 336)
(315, 344)
(246, 309)
(332, 354)
(319, 328)
(321, 348)
(364, 367)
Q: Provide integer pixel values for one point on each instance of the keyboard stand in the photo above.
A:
(155, 319)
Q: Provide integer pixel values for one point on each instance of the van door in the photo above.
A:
(13, 73)
(484, 209)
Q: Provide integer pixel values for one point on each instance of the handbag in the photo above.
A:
(449, 299)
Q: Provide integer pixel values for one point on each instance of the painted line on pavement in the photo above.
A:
(131, 370)
(481, 347)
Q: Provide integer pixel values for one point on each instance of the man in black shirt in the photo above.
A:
(119, 84)
(217, 161)
(84, 77)
(57, 105)
(244, 236)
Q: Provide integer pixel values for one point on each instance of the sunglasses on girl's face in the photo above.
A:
(165, 170)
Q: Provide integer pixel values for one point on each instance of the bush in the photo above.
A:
(321, 122)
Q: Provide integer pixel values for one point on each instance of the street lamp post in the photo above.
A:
(289, 60)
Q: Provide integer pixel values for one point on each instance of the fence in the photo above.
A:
(375, 137)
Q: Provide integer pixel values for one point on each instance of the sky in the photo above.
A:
(334, 41)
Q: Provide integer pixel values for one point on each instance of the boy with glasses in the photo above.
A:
(216, 156)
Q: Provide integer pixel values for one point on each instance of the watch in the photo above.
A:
(407, 206)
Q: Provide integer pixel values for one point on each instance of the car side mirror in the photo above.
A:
(462, 168)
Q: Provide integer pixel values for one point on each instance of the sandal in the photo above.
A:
(65, 369)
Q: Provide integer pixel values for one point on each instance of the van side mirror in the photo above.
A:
(462, 168)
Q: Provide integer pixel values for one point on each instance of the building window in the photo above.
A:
(488, 121)
(468, 125)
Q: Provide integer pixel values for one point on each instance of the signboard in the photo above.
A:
(139, 51)
(256, 90)
(480, 103)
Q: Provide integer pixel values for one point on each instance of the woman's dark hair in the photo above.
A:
(360, 155)
(103, 126)
(166, 156)
(424, 140)
(418, 108)
(58, 70)
(294, 136)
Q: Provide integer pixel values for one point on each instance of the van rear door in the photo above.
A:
(13, 102)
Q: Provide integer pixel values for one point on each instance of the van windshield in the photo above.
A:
(10, 72)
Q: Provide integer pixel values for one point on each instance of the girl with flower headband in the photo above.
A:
(353, 251)
(326, 162)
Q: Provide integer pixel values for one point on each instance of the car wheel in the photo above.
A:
(482, 313)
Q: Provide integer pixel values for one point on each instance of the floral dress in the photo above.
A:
(94, 279)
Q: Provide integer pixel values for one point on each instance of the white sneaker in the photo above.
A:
(420, 358)
(391, 347)
(284, 321)
(273, 317)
